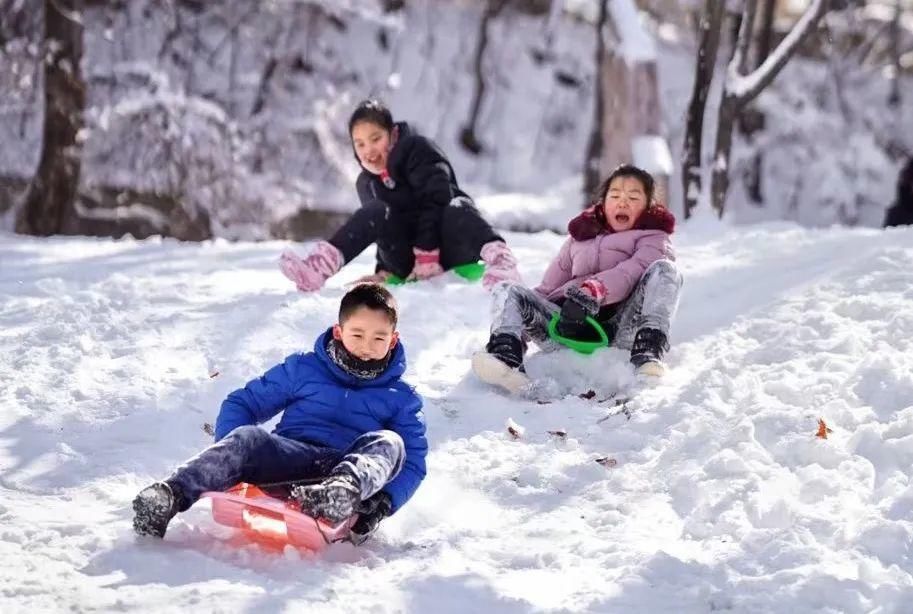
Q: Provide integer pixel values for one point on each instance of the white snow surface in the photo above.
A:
(721, 497)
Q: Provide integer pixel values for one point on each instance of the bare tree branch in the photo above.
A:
(748, 87)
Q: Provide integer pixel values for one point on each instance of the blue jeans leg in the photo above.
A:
(250, 454)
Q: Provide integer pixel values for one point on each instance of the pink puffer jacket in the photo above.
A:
(617, 259)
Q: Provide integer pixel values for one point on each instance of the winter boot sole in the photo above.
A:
(492, 371)
(651, 368)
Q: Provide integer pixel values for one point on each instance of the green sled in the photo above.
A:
(471, 271)
(582, 347)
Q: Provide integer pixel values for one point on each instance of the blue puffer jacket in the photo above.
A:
(325, 405)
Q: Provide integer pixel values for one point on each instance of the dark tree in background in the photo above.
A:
(894, 94)
(468, 134)
(52, 191)
(592, 170)
(752, 119)
(741, 87)
(710, 21)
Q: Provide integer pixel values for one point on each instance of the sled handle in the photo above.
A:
(582, 347)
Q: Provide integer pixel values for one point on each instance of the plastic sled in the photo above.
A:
(472, 271)
(583, 347)
(272, 521)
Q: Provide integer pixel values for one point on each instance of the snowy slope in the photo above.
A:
(722, 498)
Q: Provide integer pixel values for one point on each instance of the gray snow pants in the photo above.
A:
(523, 313)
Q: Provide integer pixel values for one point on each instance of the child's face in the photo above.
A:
(372, 146)
(367, 333)
(625, 200)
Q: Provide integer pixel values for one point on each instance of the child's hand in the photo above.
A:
(427, 263)
(580, 302)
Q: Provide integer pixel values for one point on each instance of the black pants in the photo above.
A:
(463, 233)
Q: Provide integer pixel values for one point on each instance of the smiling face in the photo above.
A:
(372, 146)
(624, 201)
(367, 333)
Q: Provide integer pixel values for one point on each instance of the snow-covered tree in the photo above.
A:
(51, 195)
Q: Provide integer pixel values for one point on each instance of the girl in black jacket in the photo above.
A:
(411, 206)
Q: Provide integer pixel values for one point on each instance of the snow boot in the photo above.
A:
(311, 272)
(501, 364)
(650, 344)
(335, 499)
(500, 265)
(154, 507)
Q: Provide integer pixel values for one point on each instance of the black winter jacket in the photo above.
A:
(424, 183)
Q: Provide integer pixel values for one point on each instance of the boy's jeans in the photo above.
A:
(251, 454)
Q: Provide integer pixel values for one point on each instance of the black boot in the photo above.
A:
(650, 344)
(508, 349)
(154, 507)
(334, 499)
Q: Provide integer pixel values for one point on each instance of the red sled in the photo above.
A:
(272, 521)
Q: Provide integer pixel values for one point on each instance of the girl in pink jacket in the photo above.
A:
(617, 266)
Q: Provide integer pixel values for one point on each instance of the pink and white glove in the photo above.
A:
(500, 265)
(311, 272)
(427, 263)
(595, 289)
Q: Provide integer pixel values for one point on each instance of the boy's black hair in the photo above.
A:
(627, 170)
(374, 111)
(373, 296)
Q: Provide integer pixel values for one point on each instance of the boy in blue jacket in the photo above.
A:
(347, 418)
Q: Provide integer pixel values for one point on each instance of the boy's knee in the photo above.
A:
(392, 439)
(384, 438)
(248, 436)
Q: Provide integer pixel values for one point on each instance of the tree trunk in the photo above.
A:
(894, 95)
(719, 182)
(592, 170)
(740, 89)
(706, 60)
(753, 119)
(52, 191)
(468, 137)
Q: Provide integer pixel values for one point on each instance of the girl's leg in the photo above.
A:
(651, 307)
(326, 258)
(359, 231)
(463, 233)
(394, 244)
(522, 313)
(467, 237)
(519, 314)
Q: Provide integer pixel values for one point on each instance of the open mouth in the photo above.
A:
(622, 218)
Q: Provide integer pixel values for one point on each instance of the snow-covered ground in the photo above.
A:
(721, 497)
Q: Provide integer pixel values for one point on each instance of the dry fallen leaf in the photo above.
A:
(213, 374)
(559, 434)
(589, 394)
(823, 429)
(605, 461)
(516, 431)
(207, 428)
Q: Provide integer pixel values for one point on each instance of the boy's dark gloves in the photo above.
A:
(370, 513)
(580, 302)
